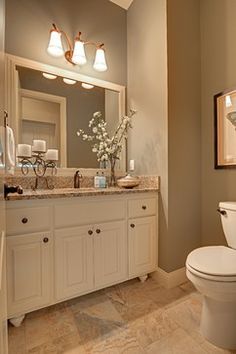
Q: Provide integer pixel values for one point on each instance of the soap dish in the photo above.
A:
(128, 182)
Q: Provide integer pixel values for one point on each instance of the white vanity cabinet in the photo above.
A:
(61, 248)
(89, 257)
(142, 236)
(73, 262)
(29, 272)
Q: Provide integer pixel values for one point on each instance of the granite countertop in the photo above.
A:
(76, 192)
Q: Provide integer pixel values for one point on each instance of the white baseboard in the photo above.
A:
(172, 279)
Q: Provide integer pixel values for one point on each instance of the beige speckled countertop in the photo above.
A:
(78, 192)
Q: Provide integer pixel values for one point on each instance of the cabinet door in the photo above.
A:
(29, 272)
(142, 246)
(110, 253)
(73, 261)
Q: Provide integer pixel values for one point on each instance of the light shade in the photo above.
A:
(69, 81)
(87, 86)
(49, 76)
(55, 45)
(100, 60)
(79, 56)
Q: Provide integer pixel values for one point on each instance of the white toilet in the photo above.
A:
(212, 270)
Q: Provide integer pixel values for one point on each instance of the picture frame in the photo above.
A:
(225, 129)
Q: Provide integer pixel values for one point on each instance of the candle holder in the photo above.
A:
(37, 163)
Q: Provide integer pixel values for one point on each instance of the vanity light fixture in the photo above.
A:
(49, 76)
(69, 81)
(75, 55)
(87, 86)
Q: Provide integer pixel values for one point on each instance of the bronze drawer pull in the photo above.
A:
(90, 232)
(144, 207)
(132, 225)
(24, 220)
(98, 231)
(45, 240)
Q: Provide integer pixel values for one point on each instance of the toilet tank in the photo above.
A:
(228, 218)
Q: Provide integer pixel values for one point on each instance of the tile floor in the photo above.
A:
(130, 318)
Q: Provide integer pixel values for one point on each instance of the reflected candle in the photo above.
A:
(52, 155)
(24, 150)
(39, 146)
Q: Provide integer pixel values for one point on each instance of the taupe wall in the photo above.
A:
(28, 23)
(147, 92)
(184, 132)
(167, 141)
(218, 33)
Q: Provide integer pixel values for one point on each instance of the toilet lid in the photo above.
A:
(213, 260)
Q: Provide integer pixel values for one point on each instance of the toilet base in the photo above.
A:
(218, 323)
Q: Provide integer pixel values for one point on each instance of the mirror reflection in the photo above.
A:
(53, 108)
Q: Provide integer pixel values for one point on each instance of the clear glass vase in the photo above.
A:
(112, 182)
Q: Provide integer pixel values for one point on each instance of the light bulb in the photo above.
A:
(55, 45)
(100, 60)
(79, 56)
(87, 86)
(69, 81)
(49, 76)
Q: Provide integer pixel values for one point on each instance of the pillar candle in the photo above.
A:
(52, 155)
(24, 150)
(39, 145)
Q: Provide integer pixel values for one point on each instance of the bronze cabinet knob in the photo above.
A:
(45, 240)
(24, 221)
(90, 232)
(144, 207)
(132, 225)
(98, 231)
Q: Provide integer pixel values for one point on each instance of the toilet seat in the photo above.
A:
(216, 263)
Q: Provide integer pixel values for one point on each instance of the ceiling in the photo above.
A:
(123, 3)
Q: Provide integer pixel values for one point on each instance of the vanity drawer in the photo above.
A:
(142, 207)
(24, 220)
(80, 213)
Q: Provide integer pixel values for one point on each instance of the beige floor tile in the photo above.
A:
(134, 312)
(61, 323)
(69, 344)
(178, 342)
(129, 318)
(187, 315)
(36, 332)
(152, 327)
(211, 349)
(45, 348)
(120, 343)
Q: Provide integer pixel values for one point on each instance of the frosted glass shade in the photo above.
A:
(55, 45)
(69, 81)
(100, 60)
(79, 56)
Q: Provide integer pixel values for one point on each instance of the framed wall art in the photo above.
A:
(225, 129)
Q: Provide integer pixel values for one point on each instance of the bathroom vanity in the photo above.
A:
(63, 243)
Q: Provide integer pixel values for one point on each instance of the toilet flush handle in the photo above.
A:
(222, 212)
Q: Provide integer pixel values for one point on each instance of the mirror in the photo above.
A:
(52, 104)
(225, 129)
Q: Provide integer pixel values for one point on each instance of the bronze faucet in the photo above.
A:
(77, 179)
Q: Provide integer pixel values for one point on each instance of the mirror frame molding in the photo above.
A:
(11, 96)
